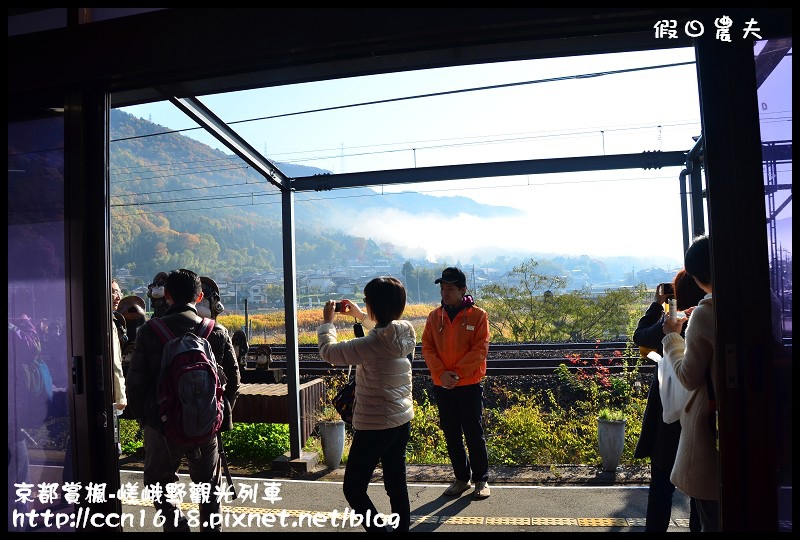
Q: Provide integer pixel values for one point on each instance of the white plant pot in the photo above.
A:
(332, 434)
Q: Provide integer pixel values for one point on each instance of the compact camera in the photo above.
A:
(667, 289)
(338, 307)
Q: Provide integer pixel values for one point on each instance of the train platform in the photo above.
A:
(523, 499)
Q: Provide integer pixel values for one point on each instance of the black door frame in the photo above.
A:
(419, 38)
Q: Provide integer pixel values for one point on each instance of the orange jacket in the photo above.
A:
(460, 345)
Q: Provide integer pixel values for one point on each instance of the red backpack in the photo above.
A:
(190, 385)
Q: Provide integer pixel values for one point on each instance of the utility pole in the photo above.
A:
(473, 277)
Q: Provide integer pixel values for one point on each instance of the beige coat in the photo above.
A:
(383, 375)
(696, 465)
(116, 370)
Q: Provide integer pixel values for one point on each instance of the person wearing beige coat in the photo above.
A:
(694, 361)
(384, 404)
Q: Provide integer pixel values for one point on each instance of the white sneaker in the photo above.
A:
(482, 490)
(457, 488)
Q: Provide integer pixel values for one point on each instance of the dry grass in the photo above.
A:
(270, 327)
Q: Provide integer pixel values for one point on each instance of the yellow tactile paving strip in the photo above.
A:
(452, 520)
(507, 521)
(602, 522)
(461, 520)
(554, 522)
(424, 519)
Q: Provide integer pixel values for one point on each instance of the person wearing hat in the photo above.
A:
(133, 311)
(210, 306)
(455, 343)
(155, 292)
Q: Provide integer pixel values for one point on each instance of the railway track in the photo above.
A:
(503, 359)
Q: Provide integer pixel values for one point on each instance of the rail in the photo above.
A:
(503, 359)
(280, 349)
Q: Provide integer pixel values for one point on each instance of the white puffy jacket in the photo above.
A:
(383, 372)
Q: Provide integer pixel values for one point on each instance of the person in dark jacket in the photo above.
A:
(162, 456)
(659, 440)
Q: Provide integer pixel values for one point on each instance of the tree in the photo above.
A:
(517, 311)
(528, 308)
(588, 317)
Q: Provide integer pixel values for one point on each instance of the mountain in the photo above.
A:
(172, 195)
(179, 203)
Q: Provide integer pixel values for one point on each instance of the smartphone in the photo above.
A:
(667, 289)
(338, 307)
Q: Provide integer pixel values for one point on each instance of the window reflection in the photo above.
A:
(774, 77)
(38, 415)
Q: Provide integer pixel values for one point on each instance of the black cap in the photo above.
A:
(453, 275)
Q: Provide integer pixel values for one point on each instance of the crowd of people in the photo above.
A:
(455, 344)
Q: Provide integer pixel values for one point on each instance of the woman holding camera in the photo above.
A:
(383, 404)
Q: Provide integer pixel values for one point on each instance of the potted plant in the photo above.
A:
(607, 393)
(611, 415)
(610, 437)
(330, 424)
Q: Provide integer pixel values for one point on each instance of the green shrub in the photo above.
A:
(130, 436)
(537, 430)
(426, 445)
(256, 441)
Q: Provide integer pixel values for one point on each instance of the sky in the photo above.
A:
(534, 109)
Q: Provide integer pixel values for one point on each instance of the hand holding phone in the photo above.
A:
(666, 289)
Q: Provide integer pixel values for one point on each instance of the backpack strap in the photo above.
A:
(205, 328)
(163, 332)
(161, 329)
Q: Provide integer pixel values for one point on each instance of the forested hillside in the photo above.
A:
(178, 203)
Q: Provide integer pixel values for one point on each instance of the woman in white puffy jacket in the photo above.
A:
(384, 404)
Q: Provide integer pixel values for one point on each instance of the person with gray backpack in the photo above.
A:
(178, 352)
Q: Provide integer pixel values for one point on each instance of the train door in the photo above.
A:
(754, 368)
(61, 453)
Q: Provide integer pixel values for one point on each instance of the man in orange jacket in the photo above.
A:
(455, 343)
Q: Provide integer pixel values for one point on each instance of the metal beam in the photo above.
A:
(198, 112)
(777, 151)
(645, 160)
(770, 56)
